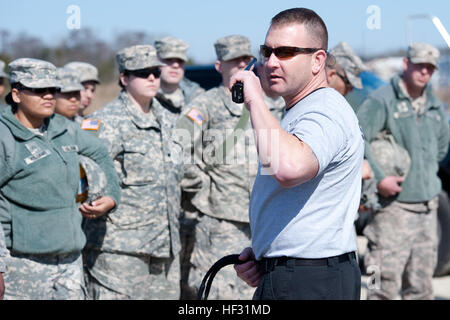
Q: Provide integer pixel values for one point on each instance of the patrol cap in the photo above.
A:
(2, 70)
(421, 52)
(232, 47)
(138, 57)
(86, 71)
(33, 73)
(171, 47)
(69, 80)
(349, 62)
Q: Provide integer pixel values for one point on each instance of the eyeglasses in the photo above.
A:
(285, 53)
(145, 73)
(38, 91)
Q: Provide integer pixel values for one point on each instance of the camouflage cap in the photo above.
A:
(86, 71)
(33, 73)
(2, 70)
(421, 52)
(349, 62)
(69, 80)
(96, 179)
(171, 47)
(231, 47)
(392, 158)
(137, 57)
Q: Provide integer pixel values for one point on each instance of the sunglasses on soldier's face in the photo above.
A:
(145, 73)
(39, 91)
(285, 53)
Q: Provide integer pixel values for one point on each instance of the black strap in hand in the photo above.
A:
(209, 277)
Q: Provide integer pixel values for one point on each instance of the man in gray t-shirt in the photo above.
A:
(306, 195)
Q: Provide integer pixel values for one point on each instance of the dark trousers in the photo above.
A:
(334, 278)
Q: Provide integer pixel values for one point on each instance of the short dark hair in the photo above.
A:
(311, 20)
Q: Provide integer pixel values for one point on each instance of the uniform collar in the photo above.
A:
(55, 125)
(139, 118)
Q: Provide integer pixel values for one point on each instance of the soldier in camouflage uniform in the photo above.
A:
(134, 252)
(88, 75)
(402, 236)
(175, 88)
(3, 77)
(39, 179)
(343, 69)
(220, 183)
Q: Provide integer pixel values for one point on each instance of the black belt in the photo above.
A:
(267, 264)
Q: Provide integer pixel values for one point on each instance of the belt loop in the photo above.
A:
(332, 261)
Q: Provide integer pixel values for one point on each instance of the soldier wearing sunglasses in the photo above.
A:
(307, 191)
(39, 176)
(134, 252)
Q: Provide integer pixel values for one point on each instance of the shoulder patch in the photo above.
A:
(196, 116)
(90, 124)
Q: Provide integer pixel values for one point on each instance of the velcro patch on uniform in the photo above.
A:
(196, 116)
(90, 124)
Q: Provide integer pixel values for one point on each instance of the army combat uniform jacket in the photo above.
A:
(424, 134)
(148, 163)
(222, 183)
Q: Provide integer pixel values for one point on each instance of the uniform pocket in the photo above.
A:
(140, 161)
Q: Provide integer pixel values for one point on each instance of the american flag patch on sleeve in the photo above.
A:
(195, 116)
(90, 124)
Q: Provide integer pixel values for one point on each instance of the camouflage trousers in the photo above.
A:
(113, 276)
(402, 250)
(44, 277)
(215, 238)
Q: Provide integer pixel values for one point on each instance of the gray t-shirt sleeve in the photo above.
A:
(321, 133)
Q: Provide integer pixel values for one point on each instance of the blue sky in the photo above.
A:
(201, 22)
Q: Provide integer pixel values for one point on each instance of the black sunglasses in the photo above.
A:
(39, 91)
(284, 53)
(145, 73)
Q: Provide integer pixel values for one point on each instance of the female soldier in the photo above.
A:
(39, 175)
(135, 253)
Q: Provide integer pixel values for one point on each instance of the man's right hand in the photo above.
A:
(390, 186)
(248, 271)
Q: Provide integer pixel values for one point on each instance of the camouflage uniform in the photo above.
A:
(86, 71)
(345, 59)
(403, 234)
(44, 260)
(134, 252)
(171, 48)
(174, 48)
(220, 187)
